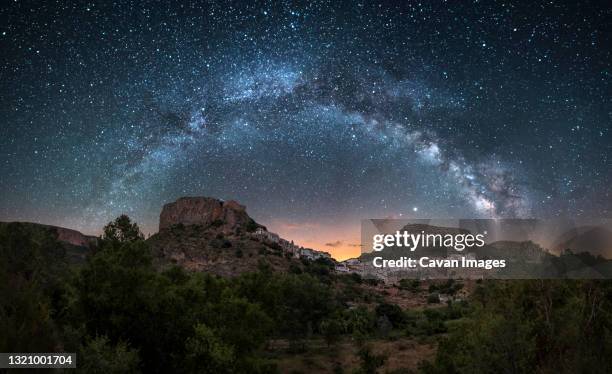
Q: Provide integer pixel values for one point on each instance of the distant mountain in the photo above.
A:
(593, 239)
(525, 259)
(64, 235)
(76, 244)
(515, 251)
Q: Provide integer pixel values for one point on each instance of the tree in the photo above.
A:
(33, 274)
(360, 321)
(332, 329)
(370, 362)
(99, 356)
(412, 285)
(532, 326)
(392, 312)
(240, 323)
(206, 353)
(122, 230)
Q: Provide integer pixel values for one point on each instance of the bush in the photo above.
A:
(370, 362)
(372, 281)
(251, 226)
(450, 287)
(332, 329)
(34, 278)
(359, 321)
(206, 353)
(427, 322)
(216, 223)
(356, 278)
(393, 312)
(412, 285)
(99, 356)
(433, 298)
(535, 325)
(295, 268)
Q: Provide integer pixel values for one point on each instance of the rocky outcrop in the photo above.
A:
(227, 216)
(74, 237)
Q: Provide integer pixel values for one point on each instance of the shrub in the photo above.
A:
(370, 362)
(433, 298)
(412, 285)
(216, 223)
(99, 356)
(251, 226)
(393, 312)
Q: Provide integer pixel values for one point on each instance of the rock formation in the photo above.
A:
(228, 216)
(74, 237)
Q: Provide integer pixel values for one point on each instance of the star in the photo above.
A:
(319, 114)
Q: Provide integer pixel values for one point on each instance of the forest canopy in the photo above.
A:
(120, 313)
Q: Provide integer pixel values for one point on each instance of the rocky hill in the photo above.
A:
(227, 216)
(76, 244)
(74, 237)
(200, 234)
(206, 234)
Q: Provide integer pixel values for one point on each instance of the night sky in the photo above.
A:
(314, 115)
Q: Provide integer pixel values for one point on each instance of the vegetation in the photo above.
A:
(412, 285)
(370, 362)
(123, 315)
(532, 326)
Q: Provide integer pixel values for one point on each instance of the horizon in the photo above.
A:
(459, 153)
(313, 116)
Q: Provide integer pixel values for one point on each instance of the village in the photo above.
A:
(366, 269)
(290, 247)
(352, 265)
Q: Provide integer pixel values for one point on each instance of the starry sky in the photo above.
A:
(315, 115)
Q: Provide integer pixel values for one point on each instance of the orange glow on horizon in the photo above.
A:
(340, 240)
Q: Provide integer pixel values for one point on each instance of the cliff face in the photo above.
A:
(205, 211)
(210, 235)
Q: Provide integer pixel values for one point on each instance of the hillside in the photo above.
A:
(219, 237)
(206, 248)
(74, 244)
(289, 316)
(595, 240)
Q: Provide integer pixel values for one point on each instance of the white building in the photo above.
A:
(319, 254)
(307, 253)
(342, 268)
(289, 246)
(264, 234)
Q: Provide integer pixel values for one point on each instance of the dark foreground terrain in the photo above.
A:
(126, 308)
